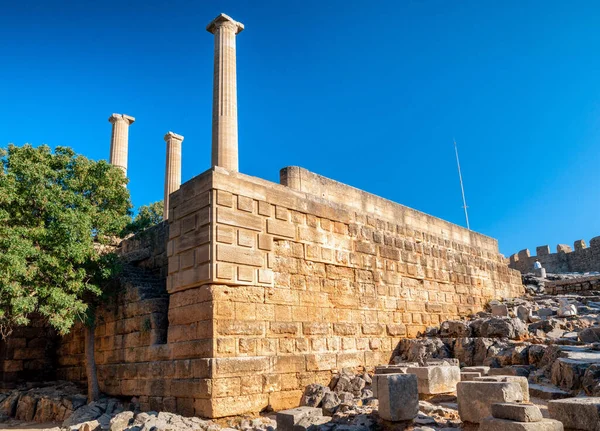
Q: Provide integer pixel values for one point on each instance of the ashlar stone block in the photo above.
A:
(287, 419)
(436, 379)
(577, 413)
(493, 424)
(522, 381)
(398, 396)
(475, 399)
(517, 412)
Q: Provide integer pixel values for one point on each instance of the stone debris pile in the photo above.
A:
(63, 403)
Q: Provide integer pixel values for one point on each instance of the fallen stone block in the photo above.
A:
(517, 412)
(476, 369)
(475, 399)
(509, 371)
(545, 392)
(577, 413)
(313, 395)
(522, 381)
(500, 310)
(398, 396)
(392, 369)
(493, 424)
(436, 379)
(287, 419)
(310, 423)
(467, 377)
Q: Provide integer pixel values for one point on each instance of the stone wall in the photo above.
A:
(27, 355)
(280, 285)
(271, 287)
(579, 285)
(566, 259)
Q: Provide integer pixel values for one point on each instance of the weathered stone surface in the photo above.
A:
(476, 369)
(517, 412)
(577, 413)
(591, 381)
(313, 395)
(475, 399)
(467, 377)
(398, 396)
(589, 335)
(287, 419)
(520, 380)
(436, 379)
(505, 328)
(330, 403)
(121, 421)
(455, 329)
(493, 424)
(500, 310)
(568, 373)
(310, 423)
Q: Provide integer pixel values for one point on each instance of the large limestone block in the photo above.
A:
(493, 424)
(517, 412)
(436, 379)
(577, 413)
(398, 396)
(287, 419)
(522, 381)
(475, 399)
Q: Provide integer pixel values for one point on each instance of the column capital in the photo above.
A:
(121, 117)
(171, 135)
(224, 21)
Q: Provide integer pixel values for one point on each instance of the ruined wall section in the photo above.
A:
(27, 355)
(294, 286)
(579, 285)
(566, 259)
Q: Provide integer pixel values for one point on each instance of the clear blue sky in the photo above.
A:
(367, 93)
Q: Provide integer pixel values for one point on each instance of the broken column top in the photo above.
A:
(220, 19)
(117, 117)
(171, 135)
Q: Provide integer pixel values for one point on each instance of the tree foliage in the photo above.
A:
(147, 216)
(58, 211)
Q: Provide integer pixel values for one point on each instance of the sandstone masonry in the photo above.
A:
(580, 258)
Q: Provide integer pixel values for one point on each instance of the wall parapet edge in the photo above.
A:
(579, 258)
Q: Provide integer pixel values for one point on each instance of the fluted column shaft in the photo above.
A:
(224, 115)
(172, 169)
(119, 140)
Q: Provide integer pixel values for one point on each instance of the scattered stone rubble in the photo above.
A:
(483, 372)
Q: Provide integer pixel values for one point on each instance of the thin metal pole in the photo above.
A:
(462, 188)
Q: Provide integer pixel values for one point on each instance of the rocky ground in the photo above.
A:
(553, 341)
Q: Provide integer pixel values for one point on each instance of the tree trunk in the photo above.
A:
(90, 363)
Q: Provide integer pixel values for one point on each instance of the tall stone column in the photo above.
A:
(119, 140)
(224, 117)
(173, 168)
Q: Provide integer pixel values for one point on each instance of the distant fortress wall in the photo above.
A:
(580, 258)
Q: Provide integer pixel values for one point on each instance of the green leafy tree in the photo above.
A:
(59, 213)
(147, 216)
